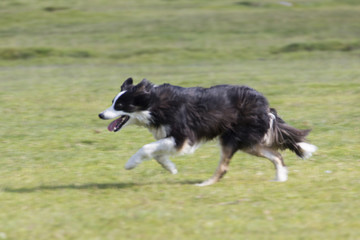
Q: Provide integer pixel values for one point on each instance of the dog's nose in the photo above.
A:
(101, 115)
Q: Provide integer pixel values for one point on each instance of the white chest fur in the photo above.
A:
(160, 132)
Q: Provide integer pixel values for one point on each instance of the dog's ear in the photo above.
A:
(127, 84)
(144, 86)
(142, 94)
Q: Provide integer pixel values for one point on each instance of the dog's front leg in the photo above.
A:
(165, 162)
(161, 147)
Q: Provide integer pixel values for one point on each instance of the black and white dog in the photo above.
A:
(182, 118)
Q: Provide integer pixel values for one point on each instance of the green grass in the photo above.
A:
(62, 173)
(319, 46)
(25, 53)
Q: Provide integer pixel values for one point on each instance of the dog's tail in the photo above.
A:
(283, 136)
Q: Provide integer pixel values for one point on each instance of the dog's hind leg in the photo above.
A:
(165, 162)
(162, 147)
(226, 155)
(275, 157)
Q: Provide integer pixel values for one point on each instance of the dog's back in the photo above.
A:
(199, 114)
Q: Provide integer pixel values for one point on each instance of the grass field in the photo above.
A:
(62, 62)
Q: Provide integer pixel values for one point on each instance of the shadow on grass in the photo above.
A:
(94, 186)
(71, 186)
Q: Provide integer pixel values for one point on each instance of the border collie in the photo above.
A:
(182, 118)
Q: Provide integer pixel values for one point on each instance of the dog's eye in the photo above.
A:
(119, 106)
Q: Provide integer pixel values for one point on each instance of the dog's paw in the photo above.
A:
(281, 178)
(281, 174)
(206, 183)
(130, 165)
(173, 171)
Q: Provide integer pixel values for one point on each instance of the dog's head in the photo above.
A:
(129, 106)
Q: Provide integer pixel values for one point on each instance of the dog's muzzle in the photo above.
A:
(117, 124)
(101, 115)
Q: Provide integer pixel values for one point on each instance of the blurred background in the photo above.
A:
(62, 62)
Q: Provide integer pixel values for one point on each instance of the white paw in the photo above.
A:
(206, 183)
(281, 175)
(173, 171)
(130, 165)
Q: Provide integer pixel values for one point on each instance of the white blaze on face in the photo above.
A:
(123, 119)
(111, 112)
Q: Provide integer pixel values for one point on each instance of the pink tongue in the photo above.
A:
(113, 124)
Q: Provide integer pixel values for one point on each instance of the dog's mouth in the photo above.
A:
(116, 125)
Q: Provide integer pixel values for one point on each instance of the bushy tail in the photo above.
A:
(285, 136)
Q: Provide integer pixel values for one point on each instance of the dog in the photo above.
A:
(181, 119)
